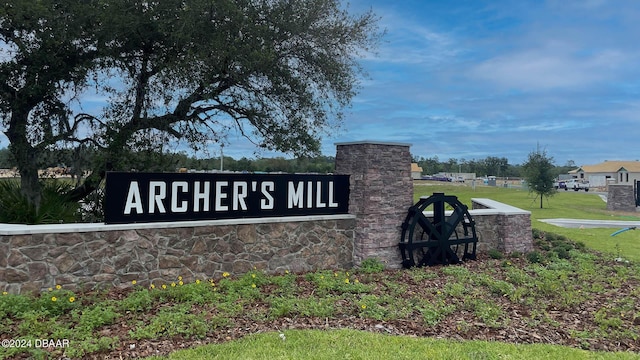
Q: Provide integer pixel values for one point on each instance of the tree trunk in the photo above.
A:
(26, 157)
(541, 197)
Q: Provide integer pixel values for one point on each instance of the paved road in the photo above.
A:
(577, 223)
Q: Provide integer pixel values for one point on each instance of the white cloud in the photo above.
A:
(541, 69)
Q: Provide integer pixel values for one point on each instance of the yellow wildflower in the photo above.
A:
(53, 298)
(5, 293)
(364, 306)
(58, 287)
(152, 286)
(180, 283)
(225, 274)
(72, 299)
(253, 285)
(134, 282)
(197, 281)
(173, 284)
(164, 286)
(346, 281)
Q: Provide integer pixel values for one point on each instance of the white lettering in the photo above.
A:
(156, 197)
(319, 203)
(48, 343)
(332, 202)
(239, 194)
(221, 195)
(295, 197)
(183, 196)
(184, 187)
(267, 202)
(134, 200)
(309, 194)
(201, 195)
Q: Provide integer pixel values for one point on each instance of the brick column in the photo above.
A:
(381, 194)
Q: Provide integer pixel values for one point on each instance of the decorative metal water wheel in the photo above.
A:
(438, 230)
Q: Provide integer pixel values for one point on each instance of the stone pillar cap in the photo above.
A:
(373, 142)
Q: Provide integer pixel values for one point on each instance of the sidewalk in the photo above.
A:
(578, 223)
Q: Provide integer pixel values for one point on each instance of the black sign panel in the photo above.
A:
(150, 197)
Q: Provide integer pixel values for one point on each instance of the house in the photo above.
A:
(416, 171)
(609, 172)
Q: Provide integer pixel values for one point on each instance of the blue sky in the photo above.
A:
(471, 79)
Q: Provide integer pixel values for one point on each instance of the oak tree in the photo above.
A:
(279, 72)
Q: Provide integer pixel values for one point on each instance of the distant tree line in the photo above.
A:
(151, 161)
(161, 162)
(489, 166)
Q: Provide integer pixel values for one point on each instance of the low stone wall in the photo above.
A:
(36, 257)
(501, 227)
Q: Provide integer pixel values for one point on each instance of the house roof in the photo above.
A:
(415, 168)
(609, 167)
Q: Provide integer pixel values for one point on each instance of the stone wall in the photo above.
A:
(96, 255)
(501, 227)
(621, 198)
(381, 193)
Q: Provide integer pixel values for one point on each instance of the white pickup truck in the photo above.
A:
(576, 185)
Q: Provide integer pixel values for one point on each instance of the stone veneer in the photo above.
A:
(381, 194)
(501, 227)
(33, 258)
(621, 198)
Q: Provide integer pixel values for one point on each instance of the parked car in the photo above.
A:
(559, 184)
(577, 185)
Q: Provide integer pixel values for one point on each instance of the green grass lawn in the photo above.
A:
(564, 204)
(351, 344)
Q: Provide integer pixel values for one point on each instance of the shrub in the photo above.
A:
(534, 257)
(55, 206)
(580, 246)
(495, 254)
(562, 253)
(371, 266)
(537, 234)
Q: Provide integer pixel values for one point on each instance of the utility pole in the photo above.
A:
(221, 157)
